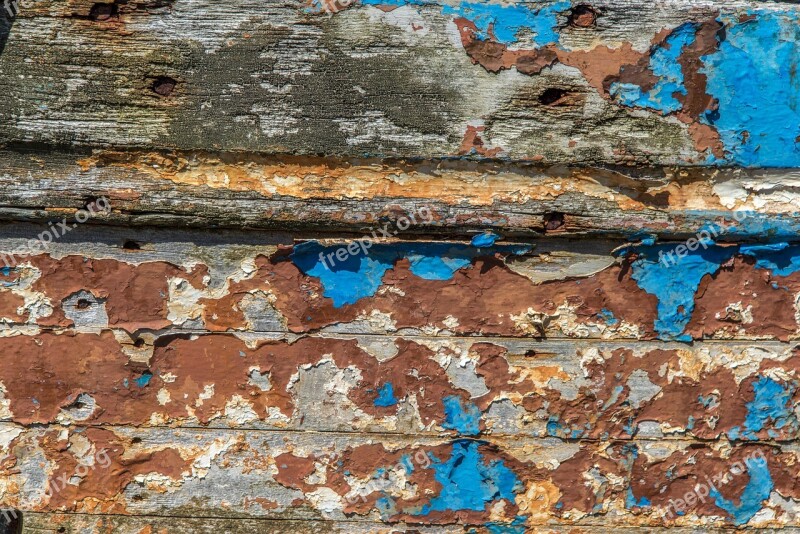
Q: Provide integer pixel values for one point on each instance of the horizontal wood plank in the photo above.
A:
(100, 524)
(406, 385)
(491, 483)
(87, 278)
(240, 191)
(615, 83)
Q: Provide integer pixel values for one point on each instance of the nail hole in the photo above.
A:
(90, 204)
(102, 12)
(139, 343)
(136, 440)
(82, 304)
(583, 16)
(61, 529)
(555, 96)
(164, 85)
(131, 245)
(553, 221)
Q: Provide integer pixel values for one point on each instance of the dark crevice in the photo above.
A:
(583, 16)
(10, 521)
(8, 12)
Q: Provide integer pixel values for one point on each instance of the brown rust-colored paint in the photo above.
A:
(134, 295)
(200, 379)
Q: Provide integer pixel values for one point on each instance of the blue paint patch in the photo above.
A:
(753, 76)
(675, 285)
(781, 259)
(407, 463)
(664, 65)
(436, 268)
(608, 317)
(386, 507)
(486, 239)
(143, 380)
(556, 429)
(462, 416)
(631, 501)
(674, 280)
(768, 227)
(755, 493)
(360, 274)
(385, 396)
(515, 527)
(506, 23)
(772, 403)
(469, 482)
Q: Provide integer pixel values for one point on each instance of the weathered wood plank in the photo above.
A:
(406, 385)
(94, 524)
(549, 289)
(619, 82)
(36, 523)
(284, 475)
(455, 198)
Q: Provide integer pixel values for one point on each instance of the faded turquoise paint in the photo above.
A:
(753, 76)
(772, 403)
(360, 274)
(744, 224)
(752, 499)
(664, 65)
(463, 416)
(503, 22)
(469, 482)
(674, 278)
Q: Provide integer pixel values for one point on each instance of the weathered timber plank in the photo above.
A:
(406, 385)
(104, 524)
(204, 190)
(322, 476)
(38, 522)
(625, 82)
(536, 289)
(91, 524)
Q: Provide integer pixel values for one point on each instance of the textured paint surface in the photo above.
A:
(469, 393)
(583, 334)
(555, 82)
